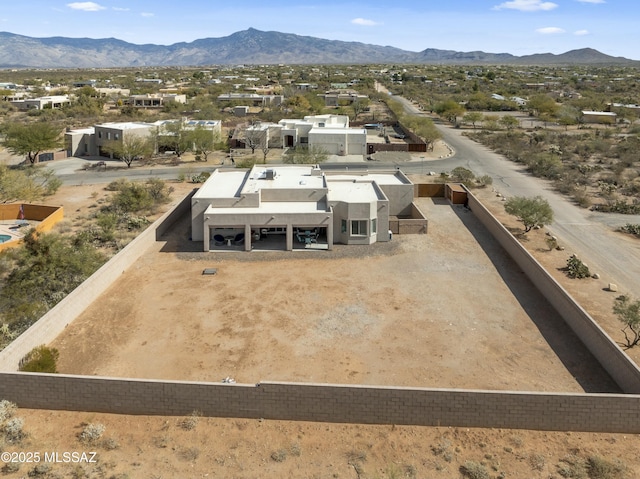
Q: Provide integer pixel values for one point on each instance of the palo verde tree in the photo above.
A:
(305, 155)
(628, 313)
(31, 139)
(532, 212)
(173, 136)
(130, 148)
(26, 184)
(204, 141)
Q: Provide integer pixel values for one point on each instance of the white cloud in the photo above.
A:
(86, 6)
(550, 30)
(365, 22)
(120, 9)
(147, 14)
(581, 32)
(591, 1)
(526, 5)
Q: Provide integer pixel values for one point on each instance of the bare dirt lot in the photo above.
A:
(447, 309)
(430, 285)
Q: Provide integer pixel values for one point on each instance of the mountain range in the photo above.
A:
(255, 47)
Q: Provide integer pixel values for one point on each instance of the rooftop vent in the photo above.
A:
(270, 174)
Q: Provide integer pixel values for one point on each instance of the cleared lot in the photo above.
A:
(447, 309)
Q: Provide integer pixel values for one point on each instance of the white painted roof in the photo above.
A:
(286, 177)
(352, 192)
(222, 184)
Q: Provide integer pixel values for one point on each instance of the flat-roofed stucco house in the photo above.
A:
(331, 133)
(606, 117)
(297, 202)
(91, 141)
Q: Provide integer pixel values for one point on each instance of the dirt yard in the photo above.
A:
(444, 310)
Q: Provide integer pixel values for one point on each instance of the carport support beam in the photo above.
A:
(206, 232)
(289, 237)
(247, 237)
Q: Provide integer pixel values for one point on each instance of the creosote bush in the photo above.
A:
(41, 359)
(91, 433)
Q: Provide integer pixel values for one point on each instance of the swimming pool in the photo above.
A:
(5, 238)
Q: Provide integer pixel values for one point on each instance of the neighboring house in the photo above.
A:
(253, 98)
(81, 83)
(337, 98)
(606, 117)
(258, 134)
(155, 100)
(285, 200)
(56, 101)
(241, 110)
(91, 141)
(329, 132)
(81, 142)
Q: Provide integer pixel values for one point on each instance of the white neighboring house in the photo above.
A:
(606, 117)
(329, 132)
(241, 206)
(54, 101)
(156, 100)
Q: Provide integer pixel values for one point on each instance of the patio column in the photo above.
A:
(330, 234)
(206, 234)
(289, 237)
(247, 237)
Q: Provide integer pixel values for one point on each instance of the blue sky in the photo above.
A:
(519, 27)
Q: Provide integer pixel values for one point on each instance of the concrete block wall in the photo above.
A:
(619, 366)
(328, 403)
(47, 328)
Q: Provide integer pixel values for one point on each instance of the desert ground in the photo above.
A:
(463, 316)
(389, 314)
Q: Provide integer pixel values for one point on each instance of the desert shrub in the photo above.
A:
(537, 462)
(10, 467)
(46, 269)
(91, 433)
(13, 430)
(463, 175)
(279, 456)
(190, 422)
(484, 180)
(600, 468)
(576, 268)
(41, 359)
(189, 453)
(572, 467)
(7, 410)
(130, 197)
(474, 470)
(40, 470)
(621, 206)
(632, 229)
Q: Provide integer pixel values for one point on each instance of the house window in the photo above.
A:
(99, 134)
(374, 226)
(359, 228)
(343, 226)
(108, 135)
(116, 136)
(304, 140)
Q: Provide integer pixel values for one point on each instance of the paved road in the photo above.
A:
(588, 234)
